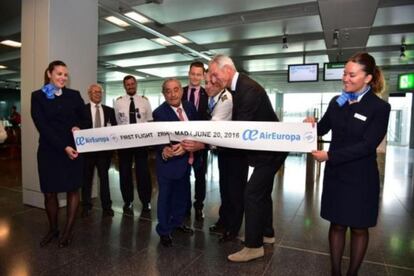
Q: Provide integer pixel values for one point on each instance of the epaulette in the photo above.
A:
(224, 98)
(120, 97)
(144, 97)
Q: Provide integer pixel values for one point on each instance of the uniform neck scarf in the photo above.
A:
(350, 96)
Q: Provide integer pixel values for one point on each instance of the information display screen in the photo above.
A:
(303, 72)
(333, 71)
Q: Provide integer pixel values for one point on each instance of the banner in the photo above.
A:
(269, 136)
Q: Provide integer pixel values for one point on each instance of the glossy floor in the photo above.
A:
(129, 245)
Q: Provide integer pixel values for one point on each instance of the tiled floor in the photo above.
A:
(129, 245)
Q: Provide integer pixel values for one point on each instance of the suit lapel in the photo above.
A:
(171, 112)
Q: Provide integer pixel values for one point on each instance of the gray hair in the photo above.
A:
(164, 84)
(90, 87)
(222, 60)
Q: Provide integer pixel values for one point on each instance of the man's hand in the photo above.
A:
(192, 146)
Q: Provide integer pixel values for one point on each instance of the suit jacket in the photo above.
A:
(202, 104)
(251, 103)
(109, 117)
(175, 167)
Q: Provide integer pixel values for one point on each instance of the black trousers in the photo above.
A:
(258, 205)
(200, 169)
(144, 187)
(101, 161)
(233, 172)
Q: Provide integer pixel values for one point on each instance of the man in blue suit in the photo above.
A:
(173, 164)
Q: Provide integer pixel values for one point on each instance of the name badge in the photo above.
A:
(360, 117)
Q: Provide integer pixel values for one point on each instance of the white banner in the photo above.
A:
(269, 136)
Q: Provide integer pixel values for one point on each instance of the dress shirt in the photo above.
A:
(93, 112)
(142, 106)
(196, 95)
(223, 106)
(234, 81)
(183, 111)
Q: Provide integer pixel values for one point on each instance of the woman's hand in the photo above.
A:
(71, 153)
(75, 128)
(310, 120)
(320, 155)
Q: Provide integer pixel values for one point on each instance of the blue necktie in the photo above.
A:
(211, 104)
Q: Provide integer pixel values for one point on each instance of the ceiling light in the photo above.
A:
(335, 38)
(162, 41)
(402, 50)
(117, 21)
(138, 17)
(284, 42)
(11, 43)
(2, 67)
(180, 39)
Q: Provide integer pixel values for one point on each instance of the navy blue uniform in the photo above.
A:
(351, 180)
(54, 119)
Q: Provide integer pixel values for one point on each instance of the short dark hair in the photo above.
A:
(50, 69)
(198, 64)
(127, 77)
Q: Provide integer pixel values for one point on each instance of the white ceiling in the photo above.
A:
(249, 31)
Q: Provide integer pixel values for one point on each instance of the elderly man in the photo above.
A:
(173, 164)
(232, 163)
(251, 103)
(98, 115)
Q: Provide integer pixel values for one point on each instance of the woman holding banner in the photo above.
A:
(58, 111)
(358, 120)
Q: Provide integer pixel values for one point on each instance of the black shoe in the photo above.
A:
(146, 207)
(128, 209)
(108, 212)
(227, 236)
(185, 229)
(199, 215)
(166, 240)
(217, 228)
(51, 235)
(86, 212)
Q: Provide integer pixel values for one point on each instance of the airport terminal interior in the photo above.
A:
(268, 40)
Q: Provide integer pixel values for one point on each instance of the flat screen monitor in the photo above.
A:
(303, 72)
(406, 82)
(333, 71)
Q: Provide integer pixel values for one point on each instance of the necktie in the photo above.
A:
(132, 116)
(211, 104)
(181, 117)
(192, 95)
(97, 117)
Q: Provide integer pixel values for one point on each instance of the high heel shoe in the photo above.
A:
(53, 234)
(65, 242)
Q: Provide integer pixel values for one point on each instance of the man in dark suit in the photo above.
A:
(173, 164)
(196, 94)
(251, 103)
(97, 115)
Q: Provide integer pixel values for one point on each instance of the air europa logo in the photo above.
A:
(254, 134)
(80, 141)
